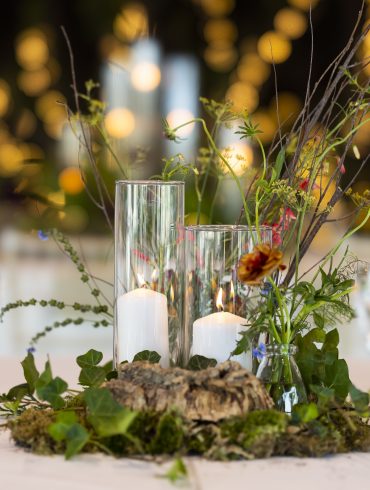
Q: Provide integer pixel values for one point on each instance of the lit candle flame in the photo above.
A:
(154, 275)
(219, 304)
(172, 294)
(232, 292)
(141, 281)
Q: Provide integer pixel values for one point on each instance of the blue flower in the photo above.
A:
(31, 350)
(266, 288)
(259, 352)
(42, 235)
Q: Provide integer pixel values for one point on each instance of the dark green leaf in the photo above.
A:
(18, 392)
(59, 429)
(106, 415)
(30, 371)
(198, 362)
(304, 413)
(280, 159)
(45, 377)
(147, 355)
(111, 375)
(91, 358)
(52, 391)
(77, 437)
(92, 376)
(108, 367)
(337, 378)
(359, 398)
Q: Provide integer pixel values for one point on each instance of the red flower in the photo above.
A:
(342, 169)
(305, 183)
(141, 256)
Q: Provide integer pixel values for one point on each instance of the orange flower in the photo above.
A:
(264, 260)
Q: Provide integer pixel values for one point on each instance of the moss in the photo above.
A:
(355, 432)
(169, 435)
(30, 430)
(201, 437)
(257, 432)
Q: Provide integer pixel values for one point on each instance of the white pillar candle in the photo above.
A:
(215, 336)
(142, 320)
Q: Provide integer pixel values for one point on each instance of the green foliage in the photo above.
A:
(66, 428)
(30, 372)
(147, 355)
(198, 362)
(106, 415)
(177, 471)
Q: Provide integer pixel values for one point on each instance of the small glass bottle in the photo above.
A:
(280, 374)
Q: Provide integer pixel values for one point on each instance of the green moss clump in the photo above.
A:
(169, 435)
(355, 432)
(201, 437)
(30, 430)
(257, 432)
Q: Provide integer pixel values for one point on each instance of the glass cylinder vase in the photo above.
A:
(149, 269)
(280, 374)
(216, 302)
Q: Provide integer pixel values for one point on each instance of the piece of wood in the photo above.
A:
(211, 394)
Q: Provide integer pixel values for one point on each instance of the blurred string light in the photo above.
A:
(70, 180)
(26, 124)
(304, 4)
(244, 96)
(131, 23)
(239, 154)
(290, 22)
(285, 108)
(217, 8)
(33, 83)
(145, 76)
(31, 49)
(49, 108)
(119, 122)
(4, 97)
(274, 47)
(252, 69)
(11, 159)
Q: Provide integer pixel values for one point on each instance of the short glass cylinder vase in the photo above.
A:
(216, 302)
(149, 269)
(280, 374)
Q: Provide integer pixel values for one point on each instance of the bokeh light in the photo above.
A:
(220, 57)
(239, 156)
(120, 122)
(33, 83)
(266, 123)
(304, 4)
(274, 47)
(131, 23)
(217, 8)
(11, 159)
(243, 95)
(290, 22)
(253, 70)
(4, 97)
(180, 116)
(70, 180)
(287, 108)
(220, 30)
(26, 124)
(145, 76)
(31, 49)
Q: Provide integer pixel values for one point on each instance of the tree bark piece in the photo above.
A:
(211, 394)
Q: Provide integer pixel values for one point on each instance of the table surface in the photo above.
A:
(19, 468)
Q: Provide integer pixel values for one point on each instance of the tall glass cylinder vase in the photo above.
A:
(216, 302)
(149, 269)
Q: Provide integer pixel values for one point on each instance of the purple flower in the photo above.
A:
(259, 352)
(42, 235)
(31, 350)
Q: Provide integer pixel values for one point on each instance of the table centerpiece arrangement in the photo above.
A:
(224, 345)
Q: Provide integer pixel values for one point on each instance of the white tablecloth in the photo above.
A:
(88, 472)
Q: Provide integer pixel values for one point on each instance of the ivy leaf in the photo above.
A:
(66, 428)
(337, 378)
(198, 362)
(17, 392)
(91, 358)
(360, 399)
(51, 392)
(147, 355)
(325, 395)
(177, 471)
(305, 413)
(111, 375)
(108, 366)
(106, 415)
(45, 377)
(31, 374)
(92, 376)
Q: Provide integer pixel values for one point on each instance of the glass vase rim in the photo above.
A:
(227, 228)
(281, 349)
(150, 182)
